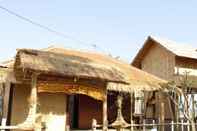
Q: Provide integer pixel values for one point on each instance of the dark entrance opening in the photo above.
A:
(82, 110)
(73, 109)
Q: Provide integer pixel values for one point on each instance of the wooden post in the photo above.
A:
(131, 119)
(170, 108)
(105, 122)
(2, 94)
(144, 125)
(157, 110)
(193, 107)
(188, 125)
(6, 97)
(94, 124)
(66, 117)
(162, 113)
(154, 126)
(33, 97)
(177, 114)
(172, 126)
(182, 125)
(29, 123)
(193, 113)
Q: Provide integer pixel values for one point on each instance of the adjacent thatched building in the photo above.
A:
(168, 60)
(60, 87)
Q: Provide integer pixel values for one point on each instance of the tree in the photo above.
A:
(182, 92)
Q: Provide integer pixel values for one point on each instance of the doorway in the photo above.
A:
(82, 110)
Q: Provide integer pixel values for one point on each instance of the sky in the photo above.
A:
(117, 27)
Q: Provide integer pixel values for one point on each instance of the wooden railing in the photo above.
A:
(180, 126)
(3, 128)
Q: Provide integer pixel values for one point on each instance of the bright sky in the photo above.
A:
(118, 26)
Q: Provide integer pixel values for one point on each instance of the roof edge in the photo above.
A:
(136, 60)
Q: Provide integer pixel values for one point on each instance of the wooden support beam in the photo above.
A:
(177, 113)
(193, 113)
(94, 124)
(6, 97)
(131, 108)
(105, 122)
(170, 108)
(193, 107)
(3, 128)
(67, 127)
(162, 112)
(33, 97)
(29, 123)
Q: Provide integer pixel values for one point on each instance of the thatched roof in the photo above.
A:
(7, 75)
(66, 65)
(64, 62)
(181, 50)
(8, 63)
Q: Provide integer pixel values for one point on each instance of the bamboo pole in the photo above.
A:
(182, 125)
(188, 125)
(131, 119)
(66, 116)
(172, 126)
(94, 124)
(105, 123)
(144, 125)
(170, 108)
(6, 97)
(162, 113)
(8, 128)
(154, 127)
(177, 114)
(193, 114)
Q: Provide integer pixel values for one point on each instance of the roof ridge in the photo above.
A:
(74, 49)
(166, 41)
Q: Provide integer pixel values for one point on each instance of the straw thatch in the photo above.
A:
(66, 65)
(7, 75)
(58, 61)
(8, 63)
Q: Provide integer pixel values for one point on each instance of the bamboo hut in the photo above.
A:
(60, 87)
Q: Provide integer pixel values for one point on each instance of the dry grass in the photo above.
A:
(63, 62)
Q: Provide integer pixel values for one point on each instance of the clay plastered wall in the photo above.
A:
(52, 108)
(159, 62)
(53, 111)
(20, 104)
